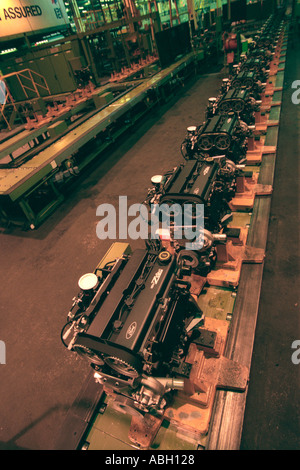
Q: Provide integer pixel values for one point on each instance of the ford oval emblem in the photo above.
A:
(131, 330)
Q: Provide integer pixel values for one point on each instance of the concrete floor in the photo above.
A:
(39, 273)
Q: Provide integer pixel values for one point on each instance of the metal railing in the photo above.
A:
(28, 81)
(35, 86)
(7, 105)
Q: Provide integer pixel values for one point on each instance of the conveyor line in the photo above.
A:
(228, 413)
(226, 427)
(18, 183)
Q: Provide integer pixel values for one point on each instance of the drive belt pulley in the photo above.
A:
(88, 354)
(238, 106)
(222, 141)
(120, 366)
(99, 352)
(205, 142)
(225, 106)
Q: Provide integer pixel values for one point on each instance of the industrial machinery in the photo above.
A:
(36, 162)
(252, 71)
(254, 65)
(224, 134)
(263, 55)
(257, 60)
(133, 320)
(235, 100)
(269, 33)
(211, 183)
(243, 79)
(207, 184)
(251, 81)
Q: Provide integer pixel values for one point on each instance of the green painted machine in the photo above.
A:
(31, 184)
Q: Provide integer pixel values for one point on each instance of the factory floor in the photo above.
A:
(40, 270)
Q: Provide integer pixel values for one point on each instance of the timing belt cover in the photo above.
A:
(101, 347)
